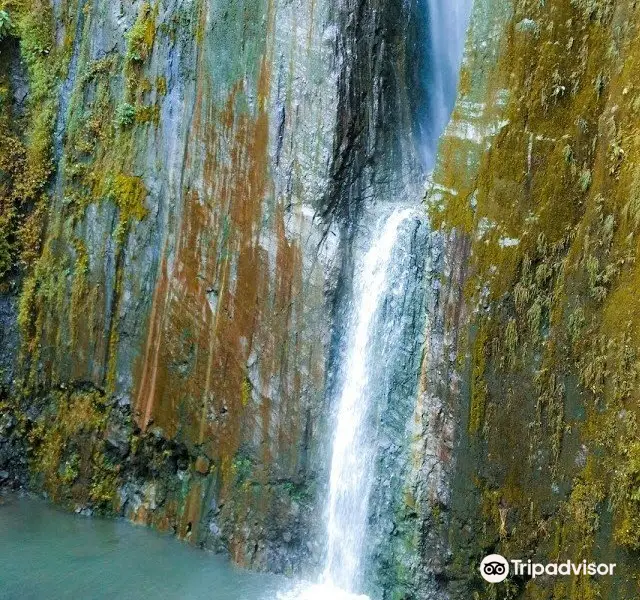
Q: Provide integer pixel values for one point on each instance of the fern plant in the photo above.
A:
(5, 24)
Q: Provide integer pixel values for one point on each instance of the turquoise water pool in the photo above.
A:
(49, 554)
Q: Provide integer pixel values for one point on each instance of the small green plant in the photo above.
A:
(5, 24)
(585, 179)
(142, 35)
(125, 115)
(70, 470)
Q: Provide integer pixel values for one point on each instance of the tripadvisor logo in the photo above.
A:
(495, 568)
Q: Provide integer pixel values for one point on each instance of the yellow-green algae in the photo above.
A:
(25, 141)
(553, 371)
(70, 348)
(66, 445)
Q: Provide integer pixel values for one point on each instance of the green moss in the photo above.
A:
(61, 296)
(70, 470)
(5, 24)
(246, 392)
(626, 498)
(161, 85)
(105, 481)
(67, 452)
(597, 10)
(125, 115)
(129, 194)
(25, 144)
(79, 292)
(582, 516)
(148, 114)
(142, 35)
(35, 31)
(554, 366)
(42, 299)
(26, 306)
(6, 245)
(99, 151)
(478, 383)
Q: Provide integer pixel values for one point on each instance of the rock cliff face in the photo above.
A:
(181, 183)
(536, 196)
(183, 187)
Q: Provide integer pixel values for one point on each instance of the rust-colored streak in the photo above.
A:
(221, 369)
(149, 376)
(206, 313)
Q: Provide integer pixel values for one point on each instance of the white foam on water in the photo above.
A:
(319, 591)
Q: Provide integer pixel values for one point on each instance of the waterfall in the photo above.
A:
(371, 341)
(352, 460)
(446, 28)
(353, 453)
(382, 273)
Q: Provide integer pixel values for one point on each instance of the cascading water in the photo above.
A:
(353, 450)
(379, 276)
(446, 26)
(380, 273)
(351, 464)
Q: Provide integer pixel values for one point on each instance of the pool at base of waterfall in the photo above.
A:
(319, 591)
(46, 553)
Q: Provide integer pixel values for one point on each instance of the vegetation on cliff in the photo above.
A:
(99, 192)
(551, 212)
(66, 441)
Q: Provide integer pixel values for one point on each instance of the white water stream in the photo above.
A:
(352, 460)
(353, 453)
(353, 445)
(353, 450)
(447, 26)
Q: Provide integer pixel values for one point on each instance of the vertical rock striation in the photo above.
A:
(182, 182)
(534, 195)
(174, 321)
